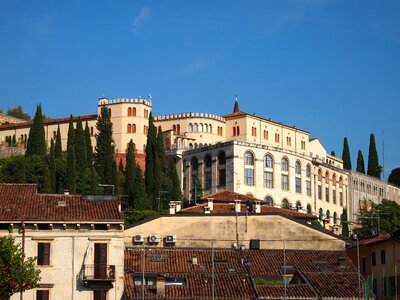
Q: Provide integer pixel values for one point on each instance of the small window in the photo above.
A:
(285, 165)
(269, 201)
(383, 257)
(298, 168)
(363, 265)
(43, 254)
(373, 258)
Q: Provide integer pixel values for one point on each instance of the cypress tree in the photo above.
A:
(89, 151)
(373, 164)
(345, 223)
(333, 153)
(71, 163)
(346, 155)
(161, 150)
(80, 148)
(104, 157)
(134, 185)
(52, 168)
(36, 141)
(360, 162)
(153, 170)
(58, 147)
(175, 186)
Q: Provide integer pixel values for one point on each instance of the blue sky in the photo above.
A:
(331, 67)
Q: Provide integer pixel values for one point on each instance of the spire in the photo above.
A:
(236, 107)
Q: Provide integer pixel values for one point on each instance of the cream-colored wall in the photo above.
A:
(67, 252)
(198, 231)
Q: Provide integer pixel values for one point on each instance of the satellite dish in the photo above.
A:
(249, 206)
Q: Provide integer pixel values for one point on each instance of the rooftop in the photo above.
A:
(22, 202)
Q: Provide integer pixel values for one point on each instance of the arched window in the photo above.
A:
(200, 127)
(298, 205)
(129, 111)
(207, 172)
(320, 214)
(269, 201)
(285, 175)
(133, 128)
(205, 128)
(129, 129)
(190, 127)
(178, 129)
(134, 112)
(320, 184)
(285, 203)
(268, 172)
(308, 180)
(221, 179)
(328, 214)
(248, 168)
(327, 186)
(335, 218)
(195, 127)
(298, 168)
(268, 161)
(174, 128)
(210, 129)
(341, 182)
(309, 209)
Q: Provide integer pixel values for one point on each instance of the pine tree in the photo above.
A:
(89, 151)
(360, 162)
(153, 174)
(80, 148)
(52, 168)
(104, 157)
(345, 224)
(373, 164)
(333, 153)
(71, 162)
(346, 155)
(58, 146)
(161, 150)
(36, 140)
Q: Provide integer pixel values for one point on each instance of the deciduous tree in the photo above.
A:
(394, 177)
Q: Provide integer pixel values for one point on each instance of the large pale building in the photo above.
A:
(242, 152)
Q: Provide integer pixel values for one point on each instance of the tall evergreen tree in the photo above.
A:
(58, 146)
(89, 151)
(394, 177)
(52, 168)
(333, 153)
(134, 185)
(36, 140)
(174, 190)
(346, 155)
(71, 162)
(373, 163)
(104, 156)
(360, 162)
(161, 150)
(80, 148)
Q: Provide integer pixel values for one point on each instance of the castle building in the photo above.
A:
(245, 153)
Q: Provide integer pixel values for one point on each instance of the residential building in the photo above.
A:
(379, 261)
(77, 242)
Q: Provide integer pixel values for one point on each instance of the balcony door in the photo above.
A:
(100, 260)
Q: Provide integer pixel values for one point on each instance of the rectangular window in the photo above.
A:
(334, 196)
(285, 182)
(303, 145)
(308, 188)
(341, 198)
(146, 114)
(383, 257)
(268, 180)
(248, 176)
(42, 295)
(319, 192)
(373, 258)
(207, 180)
(327, 194)
(298, 185)
(43, 251)
(265, 134)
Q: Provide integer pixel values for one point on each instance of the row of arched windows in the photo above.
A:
(329, 186)
(371, 188)
(200, 127)
(328, 216)
(269, 201)
(131, 128)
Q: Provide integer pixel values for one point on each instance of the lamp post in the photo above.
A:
(358, 265)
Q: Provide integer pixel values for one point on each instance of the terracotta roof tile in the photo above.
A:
(234, 271)
(22, 202)
(228, 196)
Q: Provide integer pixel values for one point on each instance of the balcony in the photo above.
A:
(98, 277)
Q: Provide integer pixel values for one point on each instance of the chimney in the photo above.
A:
(178, 206)
(194, 260)
(66, 192)
(207, 210)
(172, 206)
(210, 203)
(119, 205)
(258, 207)
(160, 287)
(237, 206)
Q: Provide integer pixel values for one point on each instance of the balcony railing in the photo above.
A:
(98, 272)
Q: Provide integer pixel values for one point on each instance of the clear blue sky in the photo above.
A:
(329, 67)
